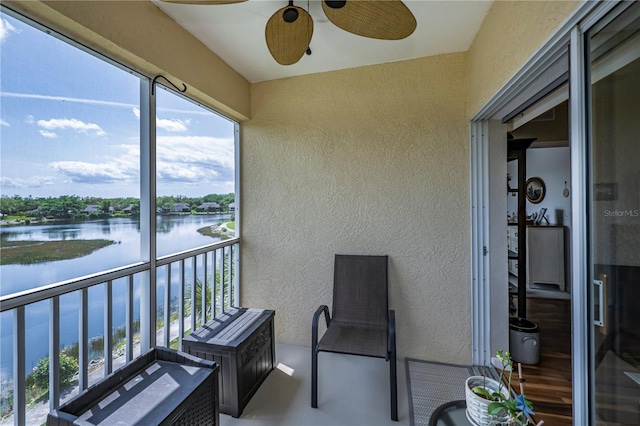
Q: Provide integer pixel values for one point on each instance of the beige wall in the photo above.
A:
(373, 160)
(510, 34)
(141, 36)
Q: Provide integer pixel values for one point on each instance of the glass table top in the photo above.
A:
(452, 413)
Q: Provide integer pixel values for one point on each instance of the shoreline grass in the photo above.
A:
(28, 252)
(222, 230)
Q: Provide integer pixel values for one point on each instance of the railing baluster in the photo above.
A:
(232, 294)
(193, 296)
(167, 308)
(223, 280)
(230, 276)
(181, 306)
(54, 352)
(236, 270)
(108, 328)
(128, 313)
(203, 292)
(214, 300)
(19, 388)
(83, 333)
(212, 281)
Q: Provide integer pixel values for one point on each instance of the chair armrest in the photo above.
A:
(314, 324)
(391, 331)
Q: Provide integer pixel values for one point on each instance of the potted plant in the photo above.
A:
(490, 403)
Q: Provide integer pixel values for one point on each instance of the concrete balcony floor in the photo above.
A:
(352, 390)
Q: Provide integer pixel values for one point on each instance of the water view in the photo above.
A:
(175, 233)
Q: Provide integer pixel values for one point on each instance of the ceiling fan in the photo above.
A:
(289, 30)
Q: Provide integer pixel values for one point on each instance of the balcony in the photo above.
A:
(204, 281)
(284, 398)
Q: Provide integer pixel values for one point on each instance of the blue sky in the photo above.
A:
(69, 125)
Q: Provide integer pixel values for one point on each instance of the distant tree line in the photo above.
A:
(73, 206)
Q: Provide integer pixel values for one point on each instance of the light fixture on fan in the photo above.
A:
(288, 31)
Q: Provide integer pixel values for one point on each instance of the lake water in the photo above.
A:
(174, 234)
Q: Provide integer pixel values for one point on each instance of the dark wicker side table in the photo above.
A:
(160, 387)
(241, 342)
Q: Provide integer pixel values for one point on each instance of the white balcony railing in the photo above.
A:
(206, 282)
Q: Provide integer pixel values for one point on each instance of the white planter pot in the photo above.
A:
(477, 405)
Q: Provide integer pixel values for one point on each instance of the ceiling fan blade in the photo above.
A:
(213, 2)
(386, 19)
(288, 34)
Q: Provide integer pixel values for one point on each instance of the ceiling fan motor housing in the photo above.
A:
(336, 4)
(290, 14)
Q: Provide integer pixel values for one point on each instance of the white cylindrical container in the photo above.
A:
(524, 341)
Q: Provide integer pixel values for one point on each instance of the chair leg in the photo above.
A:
(394, 387)
(393, 379)
(314, 351)
(314, 378)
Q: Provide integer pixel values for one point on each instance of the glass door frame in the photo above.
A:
(597, 21)
(573, 31)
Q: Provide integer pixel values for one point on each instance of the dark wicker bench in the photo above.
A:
(241, 342)
(161, 387)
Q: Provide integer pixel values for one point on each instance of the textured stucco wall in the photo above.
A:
(510, 34)
(141, 36)
(372, 160)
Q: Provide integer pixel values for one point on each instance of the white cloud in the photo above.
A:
(98, 102)
(64, 99)
(94, 173)
(123, 168)
(185, 160)
(47, 134)
(6, 28)
(32, 182)
(195, 159)
(4, 123)
(30, 119)
(170, 125)
(73, 124)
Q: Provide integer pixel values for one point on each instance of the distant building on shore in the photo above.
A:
(130, 210)
(209, 207)
(180, 208)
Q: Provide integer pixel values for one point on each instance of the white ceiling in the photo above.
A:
(235, 32)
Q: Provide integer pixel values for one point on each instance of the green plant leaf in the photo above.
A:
(509, 405)
(494, 408)
(479, 390)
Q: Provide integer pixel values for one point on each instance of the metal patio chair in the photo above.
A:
(361, 322)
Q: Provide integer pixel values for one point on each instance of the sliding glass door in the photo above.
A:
(614, 215)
